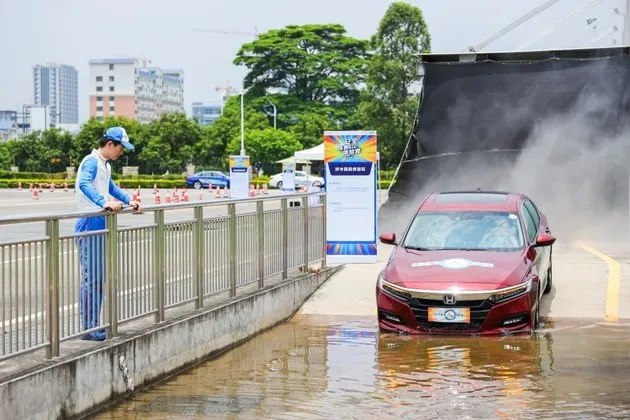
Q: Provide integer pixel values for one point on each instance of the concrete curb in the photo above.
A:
(83, 383)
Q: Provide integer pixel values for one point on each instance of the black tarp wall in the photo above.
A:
(552, 124)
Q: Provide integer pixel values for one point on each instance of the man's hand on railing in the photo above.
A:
(137, 206)
(113, 205)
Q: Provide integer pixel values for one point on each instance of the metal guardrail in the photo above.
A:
(149, 268)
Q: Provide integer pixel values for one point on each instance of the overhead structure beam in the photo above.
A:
(554, 26)
(547, 4)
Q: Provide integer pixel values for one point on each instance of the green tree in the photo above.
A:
(265, 147)
(389, 105)
(311, 62)
(171, 141)
(211, 150)
(6, 160)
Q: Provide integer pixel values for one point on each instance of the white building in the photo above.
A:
(56, 86)
(124, 87)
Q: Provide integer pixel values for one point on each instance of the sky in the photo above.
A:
(75, 31)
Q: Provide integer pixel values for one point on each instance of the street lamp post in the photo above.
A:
(275, 114)
(242, 126)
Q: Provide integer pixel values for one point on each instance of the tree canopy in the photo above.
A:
(318, 78)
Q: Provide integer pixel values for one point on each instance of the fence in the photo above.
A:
(64, 285)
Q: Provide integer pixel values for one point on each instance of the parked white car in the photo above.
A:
(301, 178)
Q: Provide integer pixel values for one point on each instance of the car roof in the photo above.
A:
(473, 200)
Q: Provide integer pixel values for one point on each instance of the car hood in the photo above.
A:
(465, 270)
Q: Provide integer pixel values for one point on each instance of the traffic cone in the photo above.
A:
(65, 186)
(168, 199)
(257, 189)
(52, 187)
(252, 192)
(176, 198)
(265, 190)
(41, 188)
(19, 186)
(185, 198)
(30, 187)
(155, 190)
(217, 192)
(35, 195)
(158, 200)
(226, 192)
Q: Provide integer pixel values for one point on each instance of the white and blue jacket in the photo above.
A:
(93, 187)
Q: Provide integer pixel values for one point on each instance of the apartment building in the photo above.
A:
(126, 87)
(56, 86)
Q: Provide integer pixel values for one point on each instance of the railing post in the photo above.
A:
(285, 240)
(232, 247)
(52, 307)
(261, 243)
(199, 256)
(306, 243)
(112, 276)
(159, 265)
(324, 210)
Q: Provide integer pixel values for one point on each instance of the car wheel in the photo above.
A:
(317, 184)
(279, 186)
(536, 321)
(197, 185)
(549, 276)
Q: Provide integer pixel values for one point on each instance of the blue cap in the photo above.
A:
(119, 135)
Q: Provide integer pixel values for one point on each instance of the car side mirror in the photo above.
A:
(545, 239)
(388, 238)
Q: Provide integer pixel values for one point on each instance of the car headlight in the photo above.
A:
(511, 292)
(392, 290)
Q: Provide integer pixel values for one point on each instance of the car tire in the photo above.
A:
(317, 184)
(549, 285)
(279, 186)
(536, 321)
(197, 185)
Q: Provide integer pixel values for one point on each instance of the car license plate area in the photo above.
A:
(449, 315)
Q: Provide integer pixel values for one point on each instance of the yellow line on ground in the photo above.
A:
(614, 283)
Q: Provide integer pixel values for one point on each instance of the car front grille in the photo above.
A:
(479, 310)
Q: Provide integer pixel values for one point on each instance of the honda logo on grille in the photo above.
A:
(449, 299)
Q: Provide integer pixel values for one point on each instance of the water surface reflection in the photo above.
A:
(323, 367)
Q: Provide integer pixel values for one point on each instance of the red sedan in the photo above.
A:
(472, 262)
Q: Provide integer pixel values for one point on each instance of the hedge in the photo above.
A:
(130, 183)
(5, 175)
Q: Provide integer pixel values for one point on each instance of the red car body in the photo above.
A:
(468, 289)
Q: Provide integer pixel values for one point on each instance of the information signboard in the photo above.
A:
(239, 176)
(350, 159)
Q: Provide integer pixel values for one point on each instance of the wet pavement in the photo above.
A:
(318, 366)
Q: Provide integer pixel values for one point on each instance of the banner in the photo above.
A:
(350, 159)
(239, 176)
(288, 177)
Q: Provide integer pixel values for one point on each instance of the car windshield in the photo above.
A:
(465, 230)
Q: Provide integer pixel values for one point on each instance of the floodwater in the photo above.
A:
(342, 367)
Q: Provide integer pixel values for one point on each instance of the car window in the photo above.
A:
(532, 229)
(465, 230)
(533, 212)
(300, 174)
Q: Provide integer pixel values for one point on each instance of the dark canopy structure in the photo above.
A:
(551, 124)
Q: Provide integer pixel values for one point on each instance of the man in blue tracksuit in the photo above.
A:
(94, 186)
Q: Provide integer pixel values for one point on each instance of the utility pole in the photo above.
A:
(275, 114)
(242, 125)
